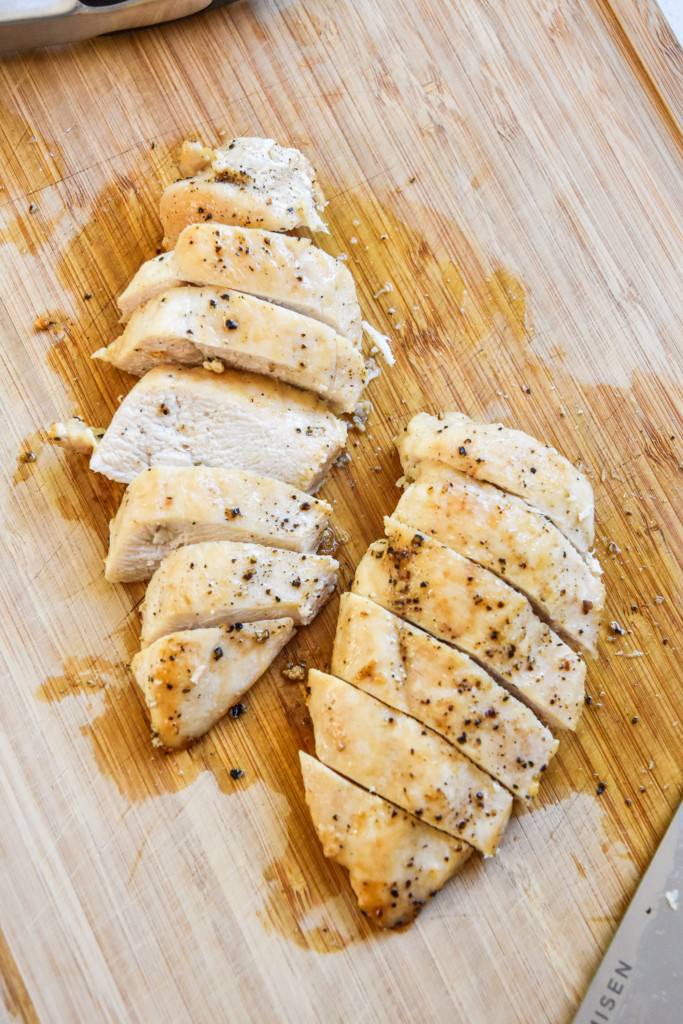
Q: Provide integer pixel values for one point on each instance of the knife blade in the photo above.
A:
(641, 975)
(30, 24)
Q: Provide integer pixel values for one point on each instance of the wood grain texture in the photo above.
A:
(508, 195)
(655, 47)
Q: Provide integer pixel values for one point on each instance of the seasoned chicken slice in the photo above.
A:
(191, 325)
(503, 534)
(153, 278)
(176, 416)
(391, 754)
(442, 687)
(289, 271)
(190, 679)
(76, 436)
(458, 601)
(248, 182)
(511, 460)
(222, 582)
(168, 507)
(396, 863)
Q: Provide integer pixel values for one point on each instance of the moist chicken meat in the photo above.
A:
(222, 582)
(503, 534)
(191, 678)
(289, 271)
(511, 460)
(456, 600)
(390, 753)
(179, 416)
(168, 507)
(153, 278)
(283, 269)
(250, 182)
(396, 862)
(190, 325)
(442, 687)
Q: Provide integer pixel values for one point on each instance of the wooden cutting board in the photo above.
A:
(505, 180)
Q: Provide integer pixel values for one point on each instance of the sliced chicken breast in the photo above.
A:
(283, 269)
(289, 271)
(177, 416)
(411, 671)
(249, 182)
(503, 534)
(511, 460)
(222, 582)
(190, 679)
(456, 600)
(153, 278)
(391, 754)
(190, 325)
(168, 507)
(396, 863)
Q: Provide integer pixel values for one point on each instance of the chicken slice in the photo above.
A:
(248, 182)
(168, 507)
(511, 460)
(190, 679)
(450, 693)
(153, 278)
(503, 534)
(76, 436)
(176, 416)
(391, 754)
(396, 863)
(458, 601)
(289, 271)
(283, 269)
(190, 325)
(222, 582)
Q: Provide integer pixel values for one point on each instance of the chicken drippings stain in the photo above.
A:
(28, 456)
(120, 741)
(80, 675)
(309, 900)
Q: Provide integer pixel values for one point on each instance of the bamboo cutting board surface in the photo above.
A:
(506, 183)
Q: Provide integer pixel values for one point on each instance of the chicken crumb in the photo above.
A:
(214, 365)
(296, 671)
(361, 415)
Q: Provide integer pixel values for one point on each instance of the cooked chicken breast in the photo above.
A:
(76, 436)
(183, 417)
(222, 582)
(503, 534)
(168, 507)
(391, 754)
(153, 278)
(190, 679)
(248, 182)
(396, 863)
(289, 271)
(191, 325)
(456, 600)
(283, 269)
(411, 671)
(511, 460)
